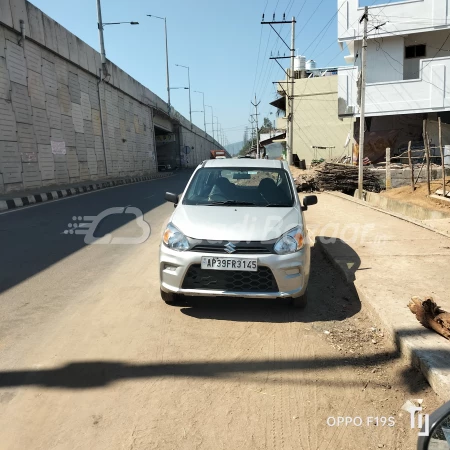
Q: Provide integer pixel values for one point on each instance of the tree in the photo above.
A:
(267, 126)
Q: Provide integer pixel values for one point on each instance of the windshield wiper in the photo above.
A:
(279, 205)
(229, 203)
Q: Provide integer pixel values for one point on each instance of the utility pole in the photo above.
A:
(289, 77)
(364, 18)
(290, 150)
(257, 128)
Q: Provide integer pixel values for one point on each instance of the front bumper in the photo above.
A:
(291, 273)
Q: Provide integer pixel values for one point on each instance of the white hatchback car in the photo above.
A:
(238, 230)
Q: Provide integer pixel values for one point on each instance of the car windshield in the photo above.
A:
(240, 187)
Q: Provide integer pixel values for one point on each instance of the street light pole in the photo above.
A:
(100, 33)
(189, 84)
(217, 127)
(167, 60)
(204, 112)
(212, 119)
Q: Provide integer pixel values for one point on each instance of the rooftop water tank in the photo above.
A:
(299, 63)
(310, 64)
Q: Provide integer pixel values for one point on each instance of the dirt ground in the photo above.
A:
(420, 195)
(92, 358)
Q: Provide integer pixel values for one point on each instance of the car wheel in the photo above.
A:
(300, 302)
(169, 297)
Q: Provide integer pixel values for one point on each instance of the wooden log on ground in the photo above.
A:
(430, 315)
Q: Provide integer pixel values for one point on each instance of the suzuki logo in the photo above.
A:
(230, 248)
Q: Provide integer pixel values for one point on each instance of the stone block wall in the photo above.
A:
(52, 107)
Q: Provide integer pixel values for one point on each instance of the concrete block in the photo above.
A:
(36, 23)
(98, 146)
(77, 117)
(61, 172)
(62, 73)
(56, 135)
(41, 126)
(31, 175)
(86, 109)
(72, 163)
(15, 62)
(19, 12)
(68, 131)
(96, 122)
(89, 134)
(46, 162)
(92, 161)
(74, 88)
(49, 78)
(33, 57)
(53, 111)
(2, 190)
(93, 69)
(10, 162)
(8, 130)
(5, 12)
(82, 54)
(29, 156)
(26, 139)
(81, 147)
(50, 33)
(64, 100)
(93, 95)
(83, 80)
(101, 169)
(84, 170)
(2, 43)
(36, 89)
(5, 85)
(62, 41)
(73, 48)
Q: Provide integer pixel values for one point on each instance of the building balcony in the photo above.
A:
(428, 93)
(397, 17)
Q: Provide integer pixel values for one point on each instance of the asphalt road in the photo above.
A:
(90, 357)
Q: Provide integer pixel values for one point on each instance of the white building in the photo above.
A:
(408, 65)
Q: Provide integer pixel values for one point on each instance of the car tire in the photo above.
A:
(169, 297)
(300, 302)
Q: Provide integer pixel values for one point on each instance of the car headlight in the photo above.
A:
(175, 239)
(290, 242)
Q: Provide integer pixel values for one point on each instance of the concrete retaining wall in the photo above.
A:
(52, 107)
(406, 209)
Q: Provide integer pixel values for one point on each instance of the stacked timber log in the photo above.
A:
(342, 177)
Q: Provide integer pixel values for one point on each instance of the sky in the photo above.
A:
(222, 41)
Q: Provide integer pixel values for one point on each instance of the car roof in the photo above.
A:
(246, 162)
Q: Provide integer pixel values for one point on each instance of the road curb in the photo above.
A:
(19, 202)
(427, 352)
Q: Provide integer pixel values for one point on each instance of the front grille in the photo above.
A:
(230, 280)
(239, 249)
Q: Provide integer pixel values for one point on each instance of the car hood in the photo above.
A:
(233, 223)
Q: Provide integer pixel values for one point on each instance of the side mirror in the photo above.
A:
(171, 197)
(437, 436)
(309, 200)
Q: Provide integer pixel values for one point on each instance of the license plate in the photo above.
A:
(240, 264)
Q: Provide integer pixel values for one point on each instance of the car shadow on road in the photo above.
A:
(329, 299)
